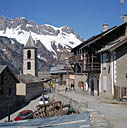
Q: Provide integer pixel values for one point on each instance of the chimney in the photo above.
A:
(124, 18)
(105, 27)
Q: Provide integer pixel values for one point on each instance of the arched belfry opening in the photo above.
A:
(28, 66)
(29, 54)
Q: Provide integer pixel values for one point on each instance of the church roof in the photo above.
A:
(28, 78)
(5, 67)
(30, 42)
(2, 67)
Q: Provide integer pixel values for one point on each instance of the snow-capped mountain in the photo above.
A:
(52, 42)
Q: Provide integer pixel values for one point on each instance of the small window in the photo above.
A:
(104, 60)
(28, 66)
(104, 83)
(2, 79)
(1, 91)
(29, 54)
(9, 91)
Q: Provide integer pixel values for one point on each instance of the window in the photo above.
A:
(104, 83)
(28, 66)
(104, 60)
(1, 91)
(29, 54)
(9, 91)
(1, 79)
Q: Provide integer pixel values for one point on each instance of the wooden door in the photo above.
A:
(117, 92)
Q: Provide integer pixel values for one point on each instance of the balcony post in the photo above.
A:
(92, 61)
(84, 62)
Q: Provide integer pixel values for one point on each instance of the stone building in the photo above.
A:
(30, 85)
(62, 75)
(7, 91)
(100, 62)
(113, 76)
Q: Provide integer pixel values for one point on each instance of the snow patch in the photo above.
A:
(5, 51)
(12, 42)
(28, 25)
(63, 38)
(55, 28)
(42, 58)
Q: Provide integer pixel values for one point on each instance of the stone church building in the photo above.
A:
(30, 58)
(30, 85)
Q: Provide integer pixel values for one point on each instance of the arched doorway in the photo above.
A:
(92, 87)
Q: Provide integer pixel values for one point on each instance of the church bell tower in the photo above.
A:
(30, 58)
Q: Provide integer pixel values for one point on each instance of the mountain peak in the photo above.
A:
(52, 42)
(67, 29)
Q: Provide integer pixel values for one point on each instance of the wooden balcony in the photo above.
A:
(92, 67)
(76, 58)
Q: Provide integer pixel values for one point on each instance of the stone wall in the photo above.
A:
(66, 100)
(121, 66)
(33, 90)
(105, 77)
(21, 89)
(97, 120)
(114, 72)
(81, 78)
(8, 98)
(26, 92)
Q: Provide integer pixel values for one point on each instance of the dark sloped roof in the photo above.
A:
(85, 42)
(93, 38)
(28, 78)
(30, 43)
(5, 67)
(118, 31)
(115, 44)
(100, 36)
(60, 69)
(44, 74)
(2, 67)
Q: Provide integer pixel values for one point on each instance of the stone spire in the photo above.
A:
(30, 43)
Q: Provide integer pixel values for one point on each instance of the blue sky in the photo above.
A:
(86, 17)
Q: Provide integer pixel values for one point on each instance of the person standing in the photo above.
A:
(51, 84)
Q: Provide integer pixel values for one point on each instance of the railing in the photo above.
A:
(75, 58)
(92, 67)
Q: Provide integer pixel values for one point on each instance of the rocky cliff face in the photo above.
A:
(11, 53)
(53, 43)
